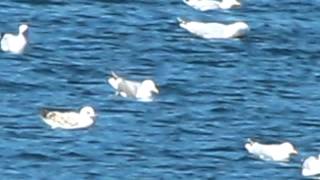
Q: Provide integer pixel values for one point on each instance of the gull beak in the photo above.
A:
(237, 4)
(295, 152)
(155, 90)
(95, 115)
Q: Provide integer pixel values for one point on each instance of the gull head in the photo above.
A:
(23, 28)
(227, 4)
(241, 25)
(150, 86)
(88, 111)
(289, 148)
(238, 29)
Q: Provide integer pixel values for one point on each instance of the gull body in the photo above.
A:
(206, 5)
(273, 152)
(67, 119)
(311, 166)
(213, 30)
(126, 88)
(15, 43)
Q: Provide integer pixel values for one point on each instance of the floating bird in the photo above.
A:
(15, 43)
(206, 5)
(311, 166)
(215, 30)
(127, 88)
(274, 152)
(68, 119)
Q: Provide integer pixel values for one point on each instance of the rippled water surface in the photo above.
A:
(214, 94)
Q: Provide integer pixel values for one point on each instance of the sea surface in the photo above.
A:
(214, 94)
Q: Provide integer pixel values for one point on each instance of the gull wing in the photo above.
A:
(130, 88)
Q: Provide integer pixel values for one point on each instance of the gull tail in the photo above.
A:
(114, 80)
(249, 145)
(114, 75)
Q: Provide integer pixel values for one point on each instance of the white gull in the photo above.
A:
(15, 43)
(213, 30)
(311, 166)
(273, 152)
(127, 88)
(206, 5)
(68, 119)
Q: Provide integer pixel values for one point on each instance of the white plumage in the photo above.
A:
(127, 88)
(311, 166)
(215, 30)
(206, 5)
(66, 119)
(273, 152)
(15, 43)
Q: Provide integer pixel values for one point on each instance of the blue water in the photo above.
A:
(214, 94)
